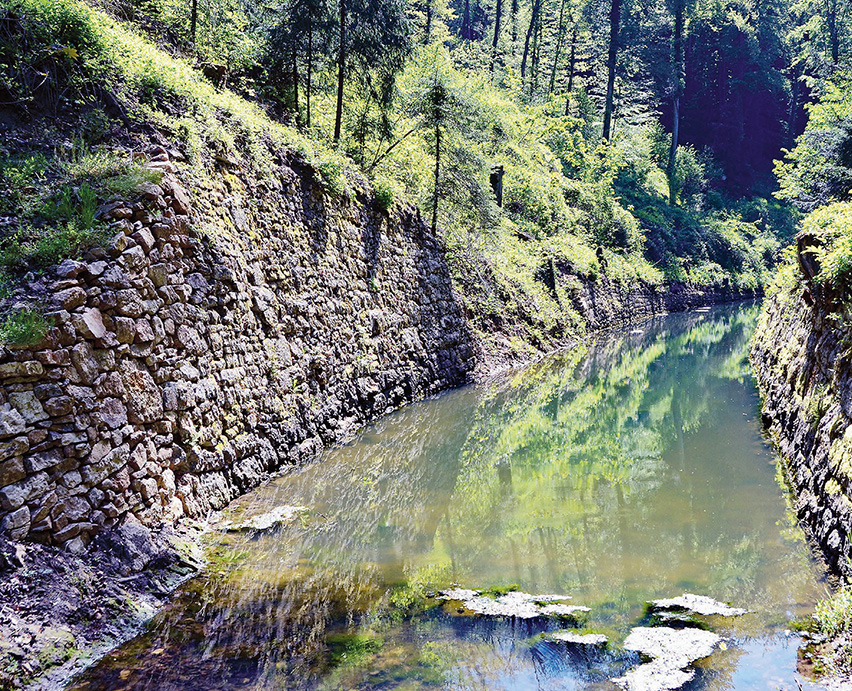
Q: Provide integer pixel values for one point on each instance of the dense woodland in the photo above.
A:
(660, 140)
(709, 93)
(550, 144)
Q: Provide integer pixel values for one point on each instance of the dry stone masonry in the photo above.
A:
(802, 359)
(213, 341)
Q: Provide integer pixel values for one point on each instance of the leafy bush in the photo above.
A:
(23, 327)
(689, 175)
(384, 195)
(818, 170)
(834, 615)
(832, 226)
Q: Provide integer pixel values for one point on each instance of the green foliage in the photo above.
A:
(384, 195)
(54, 201)
(23, 327)
(567, 198)
(832, 227)
(834, 614)
(818, 170)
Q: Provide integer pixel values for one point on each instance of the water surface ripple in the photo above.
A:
(631, 471)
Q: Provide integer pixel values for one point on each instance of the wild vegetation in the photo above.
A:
(629, 140)
(653, 142)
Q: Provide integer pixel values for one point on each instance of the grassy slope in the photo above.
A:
(104, 72)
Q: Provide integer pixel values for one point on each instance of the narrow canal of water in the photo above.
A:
(631, 471)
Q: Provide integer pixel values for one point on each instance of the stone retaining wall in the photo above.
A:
(606, 303)
(225, 334)
(802, 360)
(216, 339)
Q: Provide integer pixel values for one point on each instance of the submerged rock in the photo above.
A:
(699, 604)
(513, 604)
(563, 610)
(655, 676)
(671, 651)
(584, 640)
(280, 515)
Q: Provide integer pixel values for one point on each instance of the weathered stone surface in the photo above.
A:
(14, 496)
(799, 354)
(16, 524)
(700, 604)
(84, 361)
(144, 397)
(42, 461)
(70, 298)
(89, 324)
(671, 651)
(18, 370)
(513, 604)
(14, 447)
(11, 422)
(280, 515)
(112, 413)
(572, 638)
(59, 406)
(12, 471)
(30, 408)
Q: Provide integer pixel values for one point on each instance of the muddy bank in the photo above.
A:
(60, 611)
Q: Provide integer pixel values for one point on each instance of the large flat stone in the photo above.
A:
(671, 651)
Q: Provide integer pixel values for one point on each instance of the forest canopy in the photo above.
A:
(639, 139)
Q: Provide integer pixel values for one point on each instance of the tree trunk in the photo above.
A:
(341, 71)
(560, 35)
(614, 25)
(296, 83)
(514, 25)
(572, 63)
(831, 20)
(498, 12)
(427, 34)
(671, 169)
(679, 68)
(437, 178)
(310, 67)
(533, 21)
(793, 118)
(535, 60)
(193, 20)
(465, 27)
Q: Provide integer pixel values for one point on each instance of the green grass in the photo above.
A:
(834, 614)
(55, 199)
(23, 328)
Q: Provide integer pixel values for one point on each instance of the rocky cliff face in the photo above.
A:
(221, 335)
(802, 359)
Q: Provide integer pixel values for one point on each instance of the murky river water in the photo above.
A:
(632, 471)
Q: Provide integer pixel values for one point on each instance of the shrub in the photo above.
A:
(23, 327)
(834, 615)
(384, 195)
(832, 225)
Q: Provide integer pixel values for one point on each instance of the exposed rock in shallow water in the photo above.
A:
(591, 640)
(671, 650)
(699, 604)
(280, 515)
(513, 604)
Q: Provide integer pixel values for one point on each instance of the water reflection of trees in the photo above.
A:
(584, 441)
(614, 474)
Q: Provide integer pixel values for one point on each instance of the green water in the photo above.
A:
(630, 471)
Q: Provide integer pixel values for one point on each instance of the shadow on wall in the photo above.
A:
(186, 366)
